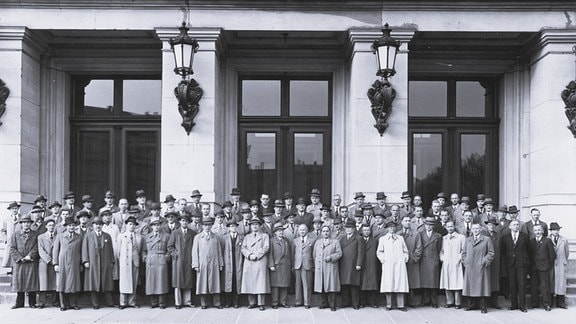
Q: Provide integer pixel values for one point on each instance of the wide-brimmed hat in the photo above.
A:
(168, 198)
(513, 209)
(37, 209)
(185, 216)
(13, 204)
(255, 220)
(156, 222)
(105, 212)
(480, 197)
(48, 220)
(140, 193)
(253, 202)
(207, 221)
(69, 221)
(359, 195)
(405, 194)
(155, 206)
(380, 195)
(326, 207)
(350, 223)
(235, 192)
(133, 210)
(170, 214)
(492, 220)
(69, 195)
(288, 195)
(131, 219)
(318, 219)
(430, 220)
(465, 199)
(40, 198)
(109, 194)
(503, 209)
(289, 214)
(389, 222)
(227, 203)
(554, 226)
(337, 220)
(87, 198)
(301, 201)
(488, 201)
(245, 210)
(231, 222)
(195, 193)
(278, 203)
(379, 214)
(83, 213)
(26, 219)
(314, 193)
(277, 227)
(441, 195)
(55, 203)
(367, 206)
(97, 220)
(358, 213)
(267, 214)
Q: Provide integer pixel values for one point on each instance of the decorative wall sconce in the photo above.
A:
(569, 97)
(4, 93)
(382, 94)
(188, 91)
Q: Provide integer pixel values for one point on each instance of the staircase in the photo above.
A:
(571, 276)
(6, 294)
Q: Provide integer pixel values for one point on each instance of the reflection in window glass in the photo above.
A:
(308, 162)
(470, 99)
(93, 163)
(427, 99)
(261, 98)
(473, 163)
(99, 98)
(261, 174)
(309, 98)
(141, 159)
(142, 97)
(427, 167)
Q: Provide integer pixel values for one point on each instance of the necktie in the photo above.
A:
(515, 237)
(233, 236)
(51, 236)
(555, 240)
(302, 239)
(366, 239)
(467, 230)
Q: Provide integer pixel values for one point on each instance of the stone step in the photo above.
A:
(571, 289)
(571, 299)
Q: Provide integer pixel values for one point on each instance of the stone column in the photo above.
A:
(549, 180)
(376, 163)
(188, 161)
(20, 129)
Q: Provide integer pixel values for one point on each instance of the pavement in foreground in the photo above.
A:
(289, 315)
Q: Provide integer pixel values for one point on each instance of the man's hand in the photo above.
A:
(358, 268)
(272, 268)
(87, 265)
(56, 268)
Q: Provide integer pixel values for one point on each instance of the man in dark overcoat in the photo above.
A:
(24, 254)
(350, 265)
(413, 241)
(543, 256)
(180, 249)
(67, 255)
(231, 278)
(515, 253)
(156, 256)
(371, 269)
(430, 262)
(280, 265)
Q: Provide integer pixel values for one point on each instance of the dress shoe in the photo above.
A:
(203, 307)
(96, 307)
(547, 308)
(512, 308)
(262, 308)
(153, 306)
(274, 307)
(285, 305)
(434, 306)
(62, 309)
(307, 306)
(236, 306)
(403, 309)
(374, 306)
(496, 306)
(16, 306)
(469, 308)
(333, 309)
(33, 306)
(388, 308)
(162, 306)
(40, 306)
(322, 307)
(483, 311)
(124, 306)
(524, 310)
(220, 307)
(448, 305)
(251, 306)
(458, 307)
(177, 307)
(76, 308)
(356, 307)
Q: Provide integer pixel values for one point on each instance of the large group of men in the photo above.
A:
(176, 250)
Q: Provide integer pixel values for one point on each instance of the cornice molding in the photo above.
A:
(360, 40)
(209, 39)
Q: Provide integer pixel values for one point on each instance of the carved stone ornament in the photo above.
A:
(4, 93)
(569, 98)
(188, 94)
(381, 96)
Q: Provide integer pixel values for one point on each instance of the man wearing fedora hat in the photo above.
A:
(350, 265)
(238, 204)
(457, 214)
(130, 249)
(244, 223)
(227, 211)
(231, 276)
(67, 258)
(207, 262)
(69, 202)
(55, 208)
(490, 232)
(430, 263)
(482, 218)
(278, 211)
(84, 225)
(38, 225)
(289, 206)
(169, 205)
(280, 265)
(327, 253)
(180, 249)
(290, 228)
(24, 254)
(195, 205)
(315, 205)
(156, 256)
(141, 204)
(254, 209)
(358, 202)
(562, 253)
(87, 204)
(393, 254)
(406, 208)
(255, 277)
(512, 215)
(109, 202)
(479, 204)
(303, 217)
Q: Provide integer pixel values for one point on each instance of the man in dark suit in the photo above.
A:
(302, 217)
(350, 265)
(543, 256)
(515, 254)
(528, 227)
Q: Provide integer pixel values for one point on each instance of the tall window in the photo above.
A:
(453, 136)
(284, 135)
(116, 137)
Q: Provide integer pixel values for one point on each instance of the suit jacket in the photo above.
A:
(528, 228)
(306, 218)
(543, 254)
(303, 258)
(515, 255)
(352, 257)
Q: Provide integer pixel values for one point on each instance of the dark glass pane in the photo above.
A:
(141, 164)
(427, 168)
(470, 99)
(261, 172)
(261, 98)
(93, 165)
(427, 99)
(308, 163)
(99, 98)
(142, 97)
(309, 98)
(473, 163)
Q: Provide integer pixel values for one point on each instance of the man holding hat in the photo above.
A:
(231, 276)
(208, 262)
(98, 260)
(280, 265)
(314, 207)
(131, 247)
(255, 278)
(156, 256)
(46, 273)
(169, 205)
(109, 202)
(180, 249)
(303, 217)
(430, 263)
(67, 259)
(393, 254)
(562, 253)
(24, 254)
(350, 265)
